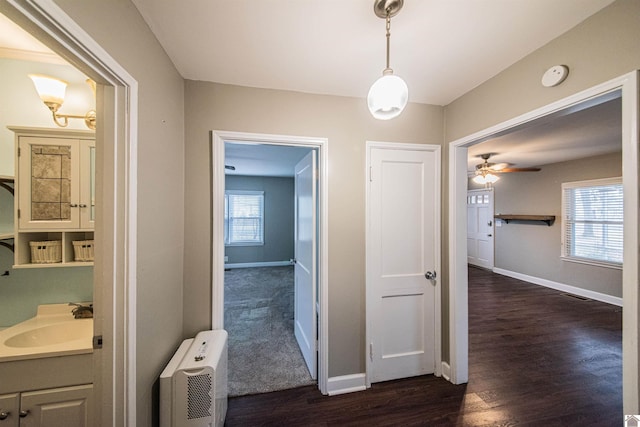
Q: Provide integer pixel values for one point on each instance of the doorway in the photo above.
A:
(317, 145)
(628, 85)
(117, 100)
(268, 312)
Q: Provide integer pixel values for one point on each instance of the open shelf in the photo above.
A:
(547, 219)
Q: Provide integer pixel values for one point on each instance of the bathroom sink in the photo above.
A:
(53, 334)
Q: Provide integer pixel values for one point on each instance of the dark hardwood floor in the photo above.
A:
(536, 358)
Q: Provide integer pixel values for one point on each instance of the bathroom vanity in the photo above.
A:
(46, 370)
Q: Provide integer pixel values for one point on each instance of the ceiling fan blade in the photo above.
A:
(518, 170)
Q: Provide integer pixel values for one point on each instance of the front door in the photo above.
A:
(403, 248)
(480, 228)
(305, 323)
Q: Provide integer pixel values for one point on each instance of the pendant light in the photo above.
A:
(389, 94)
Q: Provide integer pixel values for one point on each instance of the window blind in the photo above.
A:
(593, 220)
(244, 217)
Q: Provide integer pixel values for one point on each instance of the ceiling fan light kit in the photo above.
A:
(486, 172)
(389, 94)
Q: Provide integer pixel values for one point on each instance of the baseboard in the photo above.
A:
(598, 296)
(446, 371)
(346, 384)
(258, 264)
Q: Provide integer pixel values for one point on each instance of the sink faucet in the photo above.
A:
(82, 311)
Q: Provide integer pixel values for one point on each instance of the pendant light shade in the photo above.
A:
(387, 97)
(389, 94)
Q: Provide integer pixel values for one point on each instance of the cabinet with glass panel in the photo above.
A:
(55, 197)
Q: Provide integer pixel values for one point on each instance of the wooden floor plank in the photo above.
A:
(536, 358)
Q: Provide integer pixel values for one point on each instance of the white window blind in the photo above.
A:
(244, 217)
(592, 214)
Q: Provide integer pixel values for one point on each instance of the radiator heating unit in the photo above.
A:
(193, 386)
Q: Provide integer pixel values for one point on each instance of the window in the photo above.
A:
(592, 221)
(243, 218)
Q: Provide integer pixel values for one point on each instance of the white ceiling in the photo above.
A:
(442, 48)
(262, 160)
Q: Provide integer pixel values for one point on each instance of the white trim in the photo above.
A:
(118, 378)
(258, 264)
(598, 296)
(458, 312)
(346, 384)
(446, 371)
(218, 139)
(370, 145)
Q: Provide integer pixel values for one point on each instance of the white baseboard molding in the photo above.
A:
(258, 264)
(598, 296)
(346, 384)
(446, 371)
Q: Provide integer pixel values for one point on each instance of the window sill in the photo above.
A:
(592, 262)
(227, 245)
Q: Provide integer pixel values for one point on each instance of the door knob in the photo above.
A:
(430, 275)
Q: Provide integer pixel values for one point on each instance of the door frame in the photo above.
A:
(458, 283)
(370, 145)
(116, 192)
(218, 139)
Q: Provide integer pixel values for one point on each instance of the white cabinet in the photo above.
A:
(63, 407)
(54, 193)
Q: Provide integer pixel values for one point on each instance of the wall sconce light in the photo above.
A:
(389, 94)
(52, 90)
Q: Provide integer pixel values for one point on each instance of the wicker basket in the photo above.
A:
(48, 252)
(83, 250)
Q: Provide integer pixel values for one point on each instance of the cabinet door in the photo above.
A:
(59, 407)
(48, 183)
(9, 406)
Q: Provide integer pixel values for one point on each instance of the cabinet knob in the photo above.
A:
(4, 415)
(23, 413)
(73, 205)
(82, 205)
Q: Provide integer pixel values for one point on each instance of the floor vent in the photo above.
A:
(581, 298)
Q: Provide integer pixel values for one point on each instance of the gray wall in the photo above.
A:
(347, 124)
(118, 27)
(278, 219)
(533, 248)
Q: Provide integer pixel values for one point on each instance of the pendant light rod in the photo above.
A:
(389, 94)
(388, 37)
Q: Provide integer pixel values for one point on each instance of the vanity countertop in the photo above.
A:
(52, 332)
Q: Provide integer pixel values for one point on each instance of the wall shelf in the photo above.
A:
(547, 219)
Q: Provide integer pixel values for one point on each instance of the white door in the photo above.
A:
(305, 322)
(403, 246)
(480, 228)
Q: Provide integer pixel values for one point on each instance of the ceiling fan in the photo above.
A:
(486, 172)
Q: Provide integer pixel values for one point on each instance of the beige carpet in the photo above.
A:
(263, 353)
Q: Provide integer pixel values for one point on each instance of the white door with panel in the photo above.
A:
(403, 255)
(305, 322)
(480, 225)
